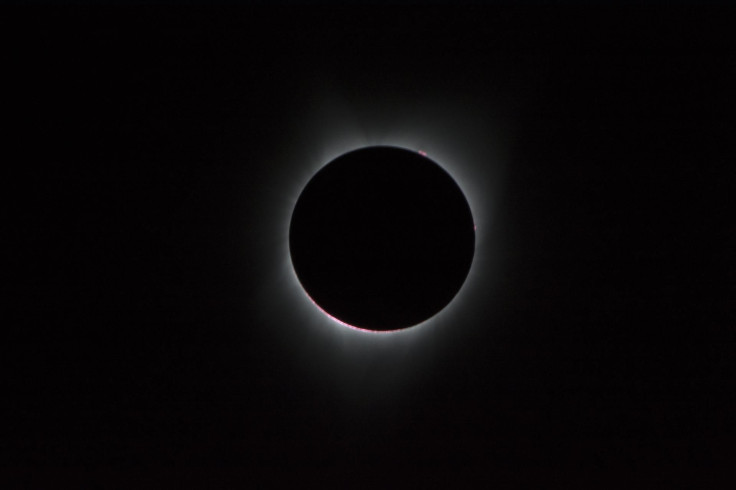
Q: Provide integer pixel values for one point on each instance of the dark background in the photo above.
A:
(134, 178)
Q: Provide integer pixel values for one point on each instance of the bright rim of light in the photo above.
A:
(460, 141)
(365, 330)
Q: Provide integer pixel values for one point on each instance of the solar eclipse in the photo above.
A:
(381, 238)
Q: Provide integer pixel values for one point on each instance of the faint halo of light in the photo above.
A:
(476, 164)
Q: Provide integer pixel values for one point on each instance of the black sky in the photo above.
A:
(138, 177)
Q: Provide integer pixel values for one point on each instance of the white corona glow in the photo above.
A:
(466, 144)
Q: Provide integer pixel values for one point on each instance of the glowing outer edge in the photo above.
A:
(366, 330)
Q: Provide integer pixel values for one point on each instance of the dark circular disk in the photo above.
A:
(382, 238)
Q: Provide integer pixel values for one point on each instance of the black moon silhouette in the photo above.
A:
(382, 238)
